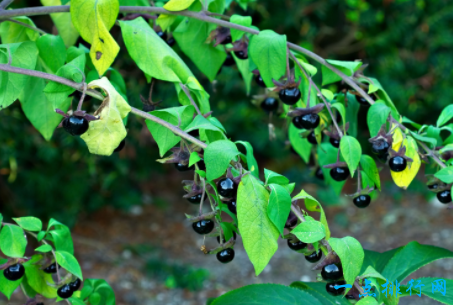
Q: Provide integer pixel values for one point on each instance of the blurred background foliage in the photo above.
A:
(408, 45)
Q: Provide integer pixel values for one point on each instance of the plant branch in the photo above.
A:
(187, 92)
(295, 210)
(27, 26)
(5, 4)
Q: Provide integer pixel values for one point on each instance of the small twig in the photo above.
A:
(295, 210)
(27, 26)
(287, 64)
(359, 180)
(5, 3)
(79, 106)
(309, 91)
(202, 195)
(150, 94)
(359, 288)
(187, 92)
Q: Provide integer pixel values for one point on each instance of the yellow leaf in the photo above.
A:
(404, 178)
(165, 21)
(105, 134)
(178, 5)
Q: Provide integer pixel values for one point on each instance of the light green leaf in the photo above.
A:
(217, 157)
(431, 141)
(165, 21)
(310, 231)
(29, 223)
(268, 52)
(178, 5)
(241, 20)
(201, 122)
(68, 262)
(445, 175)
(300, 145)
(104, 135)
(382, 94)
(197, 92)
(370, 168)
(347, 67)
(376, 117)
(62, 239)
(13, 241)
(52, 51)
(44, 248)
(38, 279)
(12, 32)
(371, 272)
(351, 151)
(367, 301)
(252, 165)
(279, 206)
(194, 158)
(341, 111)
(7, 287)
(327, 94)
(259, 235)
(445, 116)
(273, 177)
(63, 23)
(327, 154)
(243, 67)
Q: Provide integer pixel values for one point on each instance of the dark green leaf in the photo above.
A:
(351, 151)
(445, 116)
(318, 290)
(279, 206)
(347, 67)
(376, 117)
(252, 165)
(370, 168)
(273, 177)
(300, 145)
(52, 52)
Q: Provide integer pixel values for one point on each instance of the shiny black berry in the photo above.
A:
(196, 199)
(339, 173)
(232, 206)
(380, 147)
(310, 120)
(227, 40)
(229, 61)
(296, 245)
(75, 285)
(314, 257)
(259, 80)
(289, 96)
(204, 226)
(162, 35)
(65, 292)
(14, 272)
(397, 164)
(332, 272)
(335, 142)
(297, 121)
(444, 196)
(363, 101)
(362, 201)
(182, 168)
(171, 41)
(319, 174)
(75, 125)
(225, 256)
(312, 138)
(234, 237)
(227, 187)
(120, 147)
(291, 221)
(241, 54)
(270, 104)
(330, 288)
(433, 186)
(51, 268)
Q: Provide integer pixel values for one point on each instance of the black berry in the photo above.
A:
(75, 125)
(380, 147)
(350, 297)
(121, 146)
(362, 201)
(314, 257)
(270, 104)
(291, 221)
(310, 120)
(363, 101)
(241, 54)
(227, 187)
(223, 239)
(433, 186)
(162, 35)
(171, 41)
(289, 96)
(335, 142)
(182, 167)
(339, 173)
(196, 199)
(397, 164)
(232, 206)
(297, 121)
(204, 226)
(319, 174)
(225, 256)
(65, 292)
(40, 304)
(259, 80)
(312, 138)
(14, 272)
(297, 245)
(227, 40)
(332, 272)
(51, 268)
(444, 196)
(229, 61)
(75, 285)
(330, 288)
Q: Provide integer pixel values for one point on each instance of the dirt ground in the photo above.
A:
(106, 243)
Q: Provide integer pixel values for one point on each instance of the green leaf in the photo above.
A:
(310, 231)
(24, 55)
(62, 239)
(7, 287)
(29, 223)
(445, 175)
(200, 122)
(431, 141)
(44, 248)
(266, 294)
(13, 241)
(178, 5)
(153, 55)
(68, 262)
(38, 279)
(252, 165)
(341, 111)
(217, 157)
(371, 272)
(11, 32)
(412, 257)
(41, 235)
(351, 255)
(279, 206)
(327, 154)
(198, 94)
(194, 158)
(243, 67)
(377, 260)
(367, 301)
(318, 290)
(268, 52)
(300, 145)
(273, 177)
(347, 67)
(370, 168)
(445, 116)
(376, 117)
(427, 289)
(351, 151)
(63, 23)
(104, 135)
(191, 35)
(241, 20)
(376, 87)
(259, 235)
(103, 289)
(52, 51)
(352, 110)
(328, 95)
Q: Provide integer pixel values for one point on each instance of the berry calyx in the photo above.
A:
(270, 104)
(225, 256)
(182, 168)
(232, 206)
(75, 285)
(65, 291)
(444, 196)
(203, 227)
(121, 146)
(196, 199)
(312, 138)
(310, 120)
(335, 142)
(229, 61)
(227, 187)
(319, 173)
(223, 239)
(297, 121)
(241, 54)
(259, 80)
(332, 272)
(362, 201)
(290, 96)
(75, 125)
(314, 257)
(397, 164)
(380, 147)
(330, 288)
(51, 268)
(14, 272)
(339, 173)
(297, 245)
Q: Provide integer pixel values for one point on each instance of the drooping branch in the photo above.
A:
(5, 4)
(27, 26)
